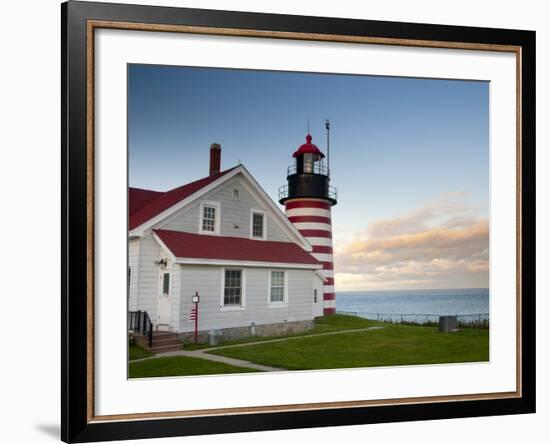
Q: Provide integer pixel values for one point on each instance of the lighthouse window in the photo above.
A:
(308, 163)
(258, 225)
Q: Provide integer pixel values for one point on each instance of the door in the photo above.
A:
(163, 310)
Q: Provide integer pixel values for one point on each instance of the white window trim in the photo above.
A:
(264, 214)
(243, 290)
(216, 205)
(284, 302)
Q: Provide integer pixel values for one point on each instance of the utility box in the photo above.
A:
(448, 324)
(213, 337)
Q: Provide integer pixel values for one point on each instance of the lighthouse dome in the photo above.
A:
(308, 147)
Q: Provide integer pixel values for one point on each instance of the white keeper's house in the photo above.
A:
(256, 269)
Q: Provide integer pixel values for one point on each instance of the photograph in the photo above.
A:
(294, 220)
(304, 221)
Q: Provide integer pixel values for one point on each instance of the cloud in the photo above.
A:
(440, 245)
(417, 220)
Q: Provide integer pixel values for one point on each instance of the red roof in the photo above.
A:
(204, 246)
(143, 205)
(138, 198)
(308, 147)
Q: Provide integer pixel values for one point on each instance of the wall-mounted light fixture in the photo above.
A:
(162, 262)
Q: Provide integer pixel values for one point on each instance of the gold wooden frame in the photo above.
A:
(92, 25)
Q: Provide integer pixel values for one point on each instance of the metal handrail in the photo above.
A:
(140, 322)
(332, 192)
(309, 168)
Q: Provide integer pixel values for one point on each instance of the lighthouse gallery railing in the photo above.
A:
(331, 194)
(309, 168)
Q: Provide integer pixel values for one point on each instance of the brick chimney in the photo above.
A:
(215, 158)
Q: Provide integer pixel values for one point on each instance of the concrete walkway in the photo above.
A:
(204, 353)
(201, 354)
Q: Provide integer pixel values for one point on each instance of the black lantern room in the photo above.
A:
(308, 177)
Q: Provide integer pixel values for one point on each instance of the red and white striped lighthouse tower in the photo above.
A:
(308, 199)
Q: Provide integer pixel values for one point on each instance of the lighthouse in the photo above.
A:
(308, 198)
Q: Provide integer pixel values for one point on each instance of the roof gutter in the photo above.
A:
(242, 263)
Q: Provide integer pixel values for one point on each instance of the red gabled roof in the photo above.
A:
(163, 201)
(203, 246)
(138, 198)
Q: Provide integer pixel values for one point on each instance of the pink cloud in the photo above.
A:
(438, 245)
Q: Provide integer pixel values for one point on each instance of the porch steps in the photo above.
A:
(163, 341)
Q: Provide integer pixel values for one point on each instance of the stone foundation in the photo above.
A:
(228, 334)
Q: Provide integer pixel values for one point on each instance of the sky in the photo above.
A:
(409, 157)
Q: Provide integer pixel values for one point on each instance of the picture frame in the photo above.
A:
(80, 20)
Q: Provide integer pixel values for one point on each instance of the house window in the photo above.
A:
(209, 218)
(166, 284)
(315, 296)
(258, 225)
(277, 290)
(232, 292)
(236, 194)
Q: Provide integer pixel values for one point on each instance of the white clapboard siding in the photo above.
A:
(235, 214)
(175, 297)
(133, 263)
(148, 276)
(207, 280)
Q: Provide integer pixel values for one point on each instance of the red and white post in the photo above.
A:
(194, 315)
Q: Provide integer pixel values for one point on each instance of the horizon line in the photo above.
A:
(415, 289)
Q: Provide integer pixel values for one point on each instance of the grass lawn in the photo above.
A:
(393, 345)
(137, 352)
(181, 366)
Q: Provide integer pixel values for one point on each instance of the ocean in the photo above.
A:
(470, 304)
